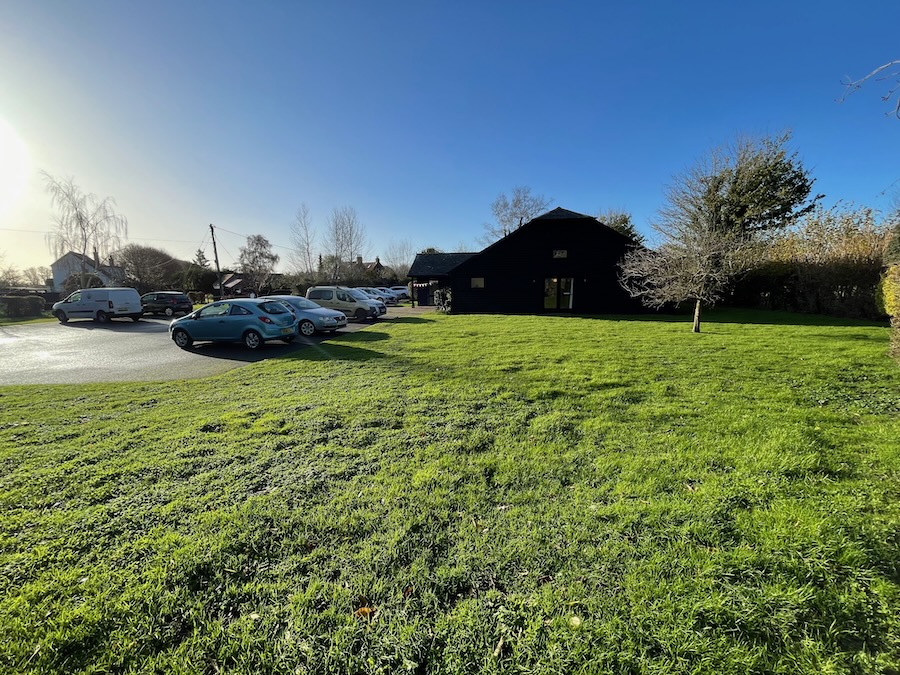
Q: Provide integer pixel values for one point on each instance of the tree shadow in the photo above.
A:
(406, 319)
(738, 316)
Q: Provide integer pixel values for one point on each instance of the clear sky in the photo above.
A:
(418, 114)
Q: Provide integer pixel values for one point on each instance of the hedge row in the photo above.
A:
(16, 306)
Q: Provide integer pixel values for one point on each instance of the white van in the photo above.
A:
(347, 300)
(100, 304)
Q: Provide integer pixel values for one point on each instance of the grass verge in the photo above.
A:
(468, 494)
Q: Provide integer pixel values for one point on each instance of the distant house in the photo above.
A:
(76, 263)
(233, 283)
(370, 269)
(561, 261)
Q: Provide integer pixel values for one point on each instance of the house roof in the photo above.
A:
(437, 264)
(230, 280)
(89, 262)
(561, 214)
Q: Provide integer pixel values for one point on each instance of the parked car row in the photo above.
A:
(351, 301)
(252, 321)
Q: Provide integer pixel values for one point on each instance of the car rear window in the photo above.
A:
(274, 308)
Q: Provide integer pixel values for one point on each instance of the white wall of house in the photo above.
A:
(70, 264)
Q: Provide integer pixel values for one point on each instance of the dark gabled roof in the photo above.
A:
(436, 264)
(561, 214)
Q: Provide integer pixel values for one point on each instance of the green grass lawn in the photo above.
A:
(19, 320)
(468, 494)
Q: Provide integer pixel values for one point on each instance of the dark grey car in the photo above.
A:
(169, 303)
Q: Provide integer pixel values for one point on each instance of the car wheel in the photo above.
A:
(181, 338)
(169, 311)
(252, 340)
(136, 318)
(361, 315)
(102, 317)
(61, 316)
(288, 339)
(307, 328)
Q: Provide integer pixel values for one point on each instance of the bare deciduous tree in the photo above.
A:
(889, 71)
(36, 276)
(257, 262)
(399, 257)
(344, 240)
(9, 276)
(511, 214)
(712, 222)
(303, 240)
(85, 224)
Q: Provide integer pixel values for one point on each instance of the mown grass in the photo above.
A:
(468, 494)
(19, 320)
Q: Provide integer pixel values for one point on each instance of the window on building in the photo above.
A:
(477, 282)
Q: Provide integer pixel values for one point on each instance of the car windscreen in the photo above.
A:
(359, 295)
(273, 308)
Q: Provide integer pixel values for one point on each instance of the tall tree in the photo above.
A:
(149, 268)
(622, 222)
(36, 276)
(85, 224)
(200, 259)
(303, 241)
(712, 221)
(257, 262)
(344, 240)
(399, 257)
(510, 213)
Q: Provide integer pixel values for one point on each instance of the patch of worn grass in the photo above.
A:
(468, 494)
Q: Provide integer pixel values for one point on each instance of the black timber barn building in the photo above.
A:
(561, 261)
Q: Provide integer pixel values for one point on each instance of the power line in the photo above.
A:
(170, 241)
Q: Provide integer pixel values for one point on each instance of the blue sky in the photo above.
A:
(418, 114)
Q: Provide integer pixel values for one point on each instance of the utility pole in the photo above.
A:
(216, 256)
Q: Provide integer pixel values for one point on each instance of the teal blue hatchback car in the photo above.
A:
(250, 321)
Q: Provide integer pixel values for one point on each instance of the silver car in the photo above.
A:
(312, 317)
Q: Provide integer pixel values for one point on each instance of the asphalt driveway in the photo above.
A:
(121, 351)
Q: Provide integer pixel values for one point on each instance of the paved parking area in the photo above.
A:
(125, 351)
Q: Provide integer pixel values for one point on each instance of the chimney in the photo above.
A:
(96, 260)
(359, 260)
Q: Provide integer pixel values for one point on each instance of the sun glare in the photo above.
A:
(15, 167)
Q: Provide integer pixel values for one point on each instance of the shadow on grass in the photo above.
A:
(407, 319)
(360, 336)
(736, 316)
(333, 352)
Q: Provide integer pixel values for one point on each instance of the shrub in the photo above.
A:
(830, 264)
(17, 306)
(443, 300)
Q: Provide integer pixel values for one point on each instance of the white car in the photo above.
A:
(402, 291)
(390, 291)
(380, 296)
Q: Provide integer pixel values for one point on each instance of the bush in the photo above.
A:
(443, 300)
(18, 306)
(831, 263)
(889, 291)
